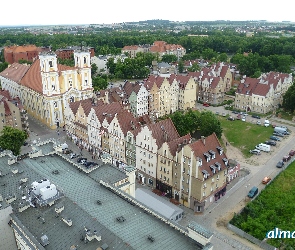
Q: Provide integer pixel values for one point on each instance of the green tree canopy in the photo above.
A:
(99, 82)
(288, 99)
(12, 139)
(209, 124)
(169, 58)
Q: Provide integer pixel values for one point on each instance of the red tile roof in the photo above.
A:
(211, 143)
(127, 121)
(15, 72)
(163, 131)
(173, 145)
(5, 94)
(248, 86)
(32, 79)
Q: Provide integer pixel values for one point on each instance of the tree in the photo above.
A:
(194, 68)
(180, 66)
(222, 57)
(111, 65)
(93, 69)
(99, 83)
(12, 139)
(288, 99)
(169, 58)
(3, 66)
(208, 124)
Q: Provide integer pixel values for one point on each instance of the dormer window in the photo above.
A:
(199, 162)
(218, 165)
(213, 169)
(205, 174)
(212, 153)
(225, 161)
(220, 150)
(207, 156)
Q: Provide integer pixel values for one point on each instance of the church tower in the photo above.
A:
(49, 73)
(82, 62)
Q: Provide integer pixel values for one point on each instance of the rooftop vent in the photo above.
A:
(120, 219)
(98, 202)
(151, 238)
(44, 240)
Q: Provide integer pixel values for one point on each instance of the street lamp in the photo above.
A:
(246, 187)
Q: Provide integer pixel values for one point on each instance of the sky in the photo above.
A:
(56, 12)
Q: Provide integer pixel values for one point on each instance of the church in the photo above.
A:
(46, 88)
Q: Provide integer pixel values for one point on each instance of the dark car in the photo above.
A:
(272, 143)
(286, 158)
(81, 159)
(26, 143)
(280, 164)
(67, 151)
(292, 152)
(235, 112)
(230, 118)
(253, 192)
(274, 138)
(256, 116)
(278, 134)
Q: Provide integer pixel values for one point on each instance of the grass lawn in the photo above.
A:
(244, 135)
(274, 207)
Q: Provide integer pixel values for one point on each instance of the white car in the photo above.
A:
(255, 151)
(266, 123)
(243, 119)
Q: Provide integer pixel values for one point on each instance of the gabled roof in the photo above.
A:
(200, 148)
(107, 110)
(32, 78)
(248, 86)
(15, 72)
(223, 71)
(173, 145)
(127, 121)
(163, 131)
(261, 89)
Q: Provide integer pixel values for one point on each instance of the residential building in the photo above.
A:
(138, 97)
(264, 94)
(134, 49)
(46, 88)
(163, 69)
(203, 173)
(148, 141)
(152, 85)
(162, 48)
(12, 54)
(167, 177)
(213, 82)
(12, 113)
(101, 61)
(187, 94)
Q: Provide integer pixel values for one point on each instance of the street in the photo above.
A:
(215, 216)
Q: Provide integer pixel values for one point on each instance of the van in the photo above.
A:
(263, 147)
(253, 192)
(280, 130)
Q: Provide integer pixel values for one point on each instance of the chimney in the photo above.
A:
(165, 136)
(203, 140)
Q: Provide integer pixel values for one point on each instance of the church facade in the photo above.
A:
(46, 88)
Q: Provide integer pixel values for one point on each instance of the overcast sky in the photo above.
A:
(37, 12)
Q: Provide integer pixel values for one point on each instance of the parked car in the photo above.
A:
(255, 151)
(275, 138)
(292, 152)
(253, 192)
(258, 122)
(235, 112)
(286, 158)
(73, 155)
(223, 114)
(217, 113)
(266, 180)
(67, 151)
(280, 164)
(26, 143)
(79, 160)
(272, 143)
(243, 119)
(230, 118)
(278, 134)
(256, 116)
(238, 117)
(205, 104)
(266, 123)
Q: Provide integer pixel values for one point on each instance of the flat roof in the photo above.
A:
(82, 191)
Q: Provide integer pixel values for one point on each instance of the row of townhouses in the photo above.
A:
(263, 94)
(158, 47)
(189, 172)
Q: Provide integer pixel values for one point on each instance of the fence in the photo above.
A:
(249, 237)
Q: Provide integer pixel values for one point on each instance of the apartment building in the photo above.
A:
(203, 173)
(264, 94)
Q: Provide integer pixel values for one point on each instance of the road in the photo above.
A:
(233, 200)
